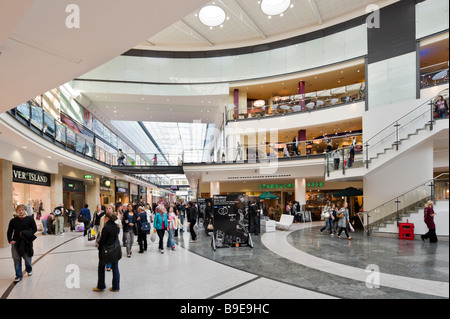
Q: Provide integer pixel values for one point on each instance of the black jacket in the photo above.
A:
(109, 234)
(192, 214)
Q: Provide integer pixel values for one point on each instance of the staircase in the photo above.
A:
(406, 205)
(399, 132)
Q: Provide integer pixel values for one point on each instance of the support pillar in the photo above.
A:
(302, 92)
(301, 139)
(214, 188)
(300, 192)
(6, 200)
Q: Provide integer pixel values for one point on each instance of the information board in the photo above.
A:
(231, 221)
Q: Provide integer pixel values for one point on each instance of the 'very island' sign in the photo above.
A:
(28, 176)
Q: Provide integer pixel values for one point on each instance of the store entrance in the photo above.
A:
(74, 199)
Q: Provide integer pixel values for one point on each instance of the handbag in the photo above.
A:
(112, 253)
(146, 227)
(210, 227)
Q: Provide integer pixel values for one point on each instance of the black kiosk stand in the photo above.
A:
(231, 221)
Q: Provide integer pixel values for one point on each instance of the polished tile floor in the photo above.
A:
(298, 264)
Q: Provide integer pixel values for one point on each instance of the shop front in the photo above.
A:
(33, 189)
(134, 194)
(142, 194)
(122, 192)
(107, 194)
(74, 192)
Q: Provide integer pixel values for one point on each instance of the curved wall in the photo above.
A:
(331, 49)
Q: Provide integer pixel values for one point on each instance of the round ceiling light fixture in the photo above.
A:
(212, 16)
(274, 7)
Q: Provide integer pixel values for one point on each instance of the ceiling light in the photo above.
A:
(274, 7)
(212, 16)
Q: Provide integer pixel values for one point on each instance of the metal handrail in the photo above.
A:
(395, 122)
(437, 178)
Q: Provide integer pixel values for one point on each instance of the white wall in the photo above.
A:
(398, 176)
(392, 80)
(431, 17)
(342, 46)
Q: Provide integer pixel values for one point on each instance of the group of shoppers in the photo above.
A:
(336, 218)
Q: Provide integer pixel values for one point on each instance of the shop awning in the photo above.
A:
(268, 195)
(351, 191)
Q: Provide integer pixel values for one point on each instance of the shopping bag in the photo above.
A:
(351, 227)
(153, 236)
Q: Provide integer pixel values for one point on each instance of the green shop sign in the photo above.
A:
(314, 184)
(276, 186)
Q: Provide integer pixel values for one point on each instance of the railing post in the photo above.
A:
(396, 135)
(433, 190)
(432, 115)
(327, 163)
(398, 215)
(367, 154)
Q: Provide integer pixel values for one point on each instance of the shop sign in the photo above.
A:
(71, 185)
(122, 190)
(28, 176)
(277, 186)
(134, 190)
(314, 184)
(105, 184)
(122, 184)
(88, 177)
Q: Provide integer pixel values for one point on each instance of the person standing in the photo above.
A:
(59, 220)
(129, 228)
(109, 236)
(85, 217)
(71, 217)
(20, 234)
(441, 107)
(429, 220)
(161, 223)
(342, 223)
(142, 219)
(327, 214)
(254, 217)
(192, 219)
(172, 225)
(208, 217)
(98, 214)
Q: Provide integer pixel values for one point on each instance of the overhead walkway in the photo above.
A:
(148, 169)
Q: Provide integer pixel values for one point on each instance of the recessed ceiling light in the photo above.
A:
(212, 16)
(274, 7)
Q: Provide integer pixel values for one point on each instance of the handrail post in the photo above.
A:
(433, 189)
(396, 135)
(398, 215)
(327, 163)
(367, 155)
(432, 115)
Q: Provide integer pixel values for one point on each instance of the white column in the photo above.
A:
(300, 191)
(214, 188)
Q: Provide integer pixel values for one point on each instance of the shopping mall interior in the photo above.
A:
(261, 114)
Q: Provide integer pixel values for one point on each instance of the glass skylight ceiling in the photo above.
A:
(174, 138)
(171, 139)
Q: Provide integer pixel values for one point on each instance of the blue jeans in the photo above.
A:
(18, 262)
(171, 241)
(101, 275)
(44, 225)
(329, 223)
